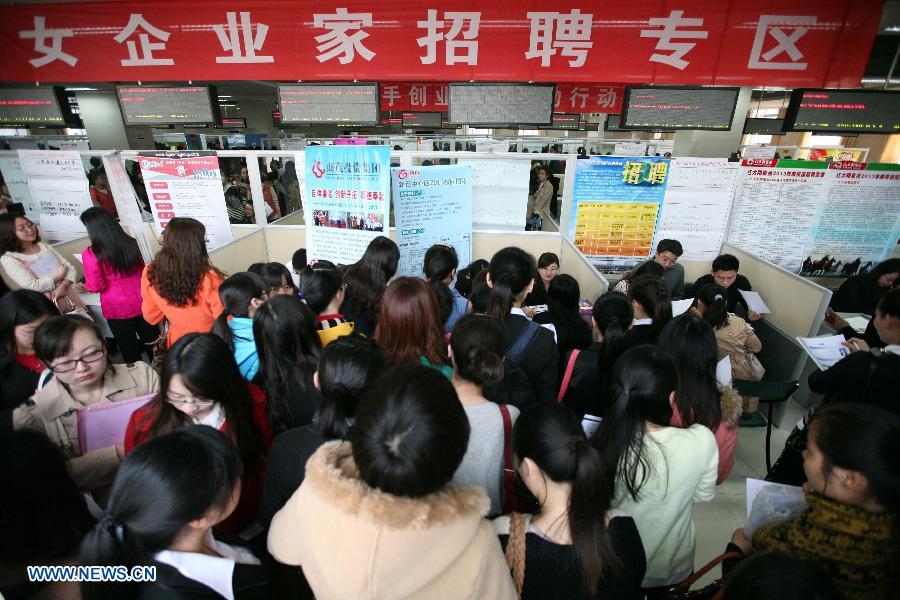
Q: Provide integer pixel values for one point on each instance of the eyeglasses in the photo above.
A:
(71, 365)
(178, 400)
(550, 269)
(26, 227)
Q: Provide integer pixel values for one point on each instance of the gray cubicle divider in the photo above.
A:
(798, 309)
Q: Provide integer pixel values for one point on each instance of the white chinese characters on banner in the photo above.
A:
(551, 31)
(670, 32)
(456, 51)
(231, 38)
(775, 26)
(40, 34)
(338, 42)
(145, 59)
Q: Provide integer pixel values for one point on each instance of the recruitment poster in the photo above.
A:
(186, 184)
(617, 203)
(59, 191)
(697, 204)
(817, 218)
(347, 200)
(17, 183)
(432, 205)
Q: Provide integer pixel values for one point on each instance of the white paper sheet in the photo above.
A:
(723, 372)
(679, 307)
(45, 266)
(825, 350)
(78, 258)
(858, 324)
(754, 486)
(755, 302)
(589, 424)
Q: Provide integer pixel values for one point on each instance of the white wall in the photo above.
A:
(102, 120)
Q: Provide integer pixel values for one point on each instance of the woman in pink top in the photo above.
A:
(181, 285)
(112, 266)
(691, 342)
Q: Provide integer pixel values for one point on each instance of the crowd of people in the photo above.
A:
(337, 431)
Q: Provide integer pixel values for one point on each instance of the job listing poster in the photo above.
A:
(187, 184)
(59, 191)
(433, 205)
(348, 200)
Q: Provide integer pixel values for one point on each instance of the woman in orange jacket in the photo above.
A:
(181, 285)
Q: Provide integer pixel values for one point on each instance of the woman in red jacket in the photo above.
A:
(201, 384)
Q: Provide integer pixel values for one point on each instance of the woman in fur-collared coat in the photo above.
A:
(377, 518)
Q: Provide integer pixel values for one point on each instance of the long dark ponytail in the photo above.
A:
(347, 368)
(110, 243)
(236, 294)
(714, 298)
(613, 315)
(163, 485)
(320, 283)
(440, 262)
(511, 271)
(653, 295)
(552, 437)
(643, 380)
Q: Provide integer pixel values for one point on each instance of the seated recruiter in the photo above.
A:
(724, 272)
(667, 254)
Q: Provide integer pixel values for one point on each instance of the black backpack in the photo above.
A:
(515, 388)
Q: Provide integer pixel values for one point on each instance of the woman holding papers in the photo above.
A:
(21, 313)
(690, 341)
(73, 349)
(850, 526)
(734, 336)
(201, 384)
(181, 285)
(31, 264)
(867, 375)
(169, 495)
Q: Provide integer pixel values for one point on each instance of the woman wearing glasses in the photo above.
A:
(548, 268)
(73, 349)
(202, 385)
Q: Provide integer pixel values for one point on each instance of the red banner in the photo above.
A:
(793, 43)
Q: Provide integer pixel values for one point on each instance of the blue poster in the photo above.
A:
(616, 206)
(432, 205)
(348, 192)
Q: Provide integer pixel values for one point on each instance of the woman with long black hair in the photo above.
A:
(652, 309)
(572, 331)
(366, 281)
(577, 546)
(288, 347)
(112, 266)
(169, 495)
(659, 471)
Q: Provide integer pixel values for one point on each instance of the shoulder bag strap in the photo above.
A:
(515, 550)
(509, 473)
(517, 350)
(568, 376)
(685, 585)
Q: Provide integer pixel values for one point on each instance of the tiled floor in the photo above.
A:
(717, 520)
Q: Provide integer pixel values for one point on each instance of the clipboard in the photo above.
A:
(103, 425)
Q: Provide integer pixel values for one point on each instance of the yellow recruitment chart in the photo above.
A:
(618, 201)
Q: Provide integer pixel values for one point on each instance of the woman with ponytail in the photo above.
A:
(576, 546)
(531, 346)
(366, 280)
(658, 471)
(241, 294)
(734, 336)
(588, 389)
(167, 497)
(477, 349)
(322, 285)
(439, 267)
(348, 367)
(652, 309)
(850, 526)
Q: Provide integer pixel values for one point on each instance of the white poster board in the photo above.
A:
(499, 192)
(187, 184)
(59, 190)
(630, 149)
(697, 204)
(17, 182)
(758, 152)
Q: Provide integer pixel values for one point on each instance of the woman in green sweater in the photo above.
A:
(850, 527)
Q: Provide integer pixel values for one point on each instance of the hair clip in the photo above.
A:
(313, 263)
(718, 297)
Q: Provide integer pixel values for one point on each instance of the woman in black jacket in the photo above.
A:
(572, 331)
(861, 293)
(21, 312)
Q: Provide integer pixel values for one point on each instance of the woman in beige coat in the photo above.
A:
(377, 518)
(74, 351)
(734, 336)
